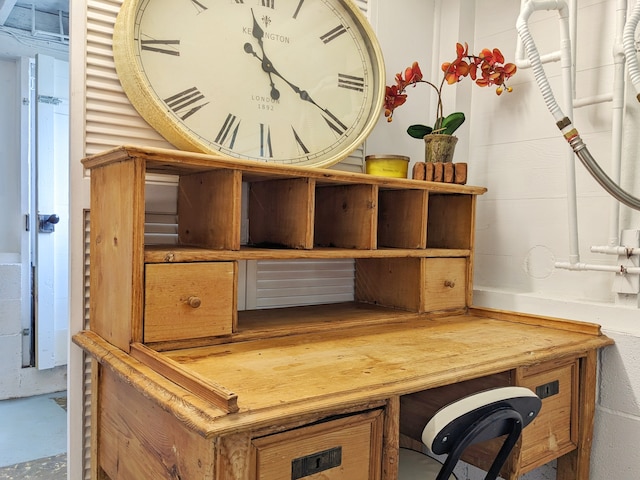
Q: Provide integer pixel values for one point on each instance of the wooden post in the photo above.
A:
(575, 465)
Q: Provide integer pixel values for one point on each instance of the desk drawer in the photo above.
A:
(189, 300)
(348, 448)
(554, 432)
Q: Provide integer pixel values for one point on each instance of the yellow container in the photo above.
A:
(395, 166)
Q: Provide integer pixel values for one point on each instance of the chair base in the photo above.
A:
(418, 466)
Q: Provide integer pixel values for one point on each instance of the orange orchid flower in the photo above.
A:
(485, 69)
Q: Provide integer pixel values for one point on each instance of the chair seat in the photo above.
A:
(418, 466)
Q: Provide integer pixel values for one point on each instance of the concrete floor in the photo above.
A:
(33, 437)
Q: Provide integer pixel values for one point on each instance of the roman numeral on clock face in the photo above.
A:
(350, 82)
(299, 141)
(333, 33)
(198, 6)
(186, 103)
(161, 46)
(269, 3)
(295, 15)
(265, 141)
(229, 131)
(333, 122)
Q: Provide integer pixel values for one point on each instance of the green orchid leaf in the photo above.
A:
(419, 131)
(451, 123)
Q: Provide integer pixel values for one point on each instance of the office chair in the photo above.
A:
(476, 418)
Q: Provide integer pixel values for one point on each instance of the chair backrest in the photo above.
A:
(479, 417)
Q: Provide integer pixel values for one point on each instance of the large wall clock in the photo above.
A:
(296, 82)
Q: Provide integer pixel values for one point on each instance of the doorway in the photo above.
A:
(24, 35)
(49, 216)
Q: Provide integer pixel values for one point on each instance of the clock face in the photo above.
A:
(290, 81)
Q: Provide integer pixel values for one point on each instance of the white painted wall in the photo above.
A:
(513, 148)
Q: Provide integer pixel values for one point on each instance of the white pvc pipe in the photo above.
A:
(568, 84)
(617, 118)
(616, 250)
(564, 123)
(532, 52)
(566, 64)
(521, 59)
(592, 100)
(599, 268)
(629, 42)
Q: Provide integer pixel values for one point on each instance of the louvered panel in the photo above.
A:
(160, 229)
(86, 392)
(302, 282)
(353, 163)
(87, 262)
(110, 118)
(362, 5)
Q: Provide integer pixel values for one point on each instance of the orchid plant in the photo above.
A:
(485, 69)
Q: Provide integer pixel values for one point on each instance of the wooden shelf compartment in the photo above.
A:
(402, 217)
(282, 322)
(450, 221)
(414, 284)
(281, 212)
(197, 301)
(346, 216)
(209, 209)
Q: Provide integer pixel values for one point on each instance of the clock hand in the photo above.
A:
(275, 93)
(332, 120)
(258, 34)
(267, 66)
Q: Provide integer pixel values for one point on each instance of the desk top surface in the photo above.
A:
(287, 376)
(379, 360)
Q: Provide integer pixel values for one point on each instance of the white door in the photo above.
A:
(51, 229)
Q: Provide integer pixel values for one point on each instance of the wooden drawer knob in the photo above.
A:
(194, 302)
(449, 283)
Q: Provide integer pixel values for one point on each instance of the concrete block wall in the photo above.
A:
(617, 425)
(10, 308)
(16, 381)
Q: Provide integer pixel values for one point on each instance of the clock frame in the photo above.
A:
(297, 82)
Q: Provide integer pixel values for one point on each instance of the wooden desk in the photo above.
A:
(151, 427)
(187, 387)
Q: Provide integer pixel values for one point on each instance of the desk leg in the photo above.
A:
(391, 439)
(575, 465)
(234, 457)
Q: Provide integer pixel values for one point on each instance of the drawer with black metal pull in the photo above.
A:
(554, 432)
(348, 448)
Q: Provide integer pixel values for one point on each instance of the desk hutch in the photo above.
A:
(187, 387)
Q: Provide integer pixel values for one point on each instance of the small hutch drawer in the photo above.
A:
(348, 448)
(445, 283)
(189, 300)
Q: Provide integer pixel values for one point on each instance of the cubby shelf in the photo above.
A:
(412, 241)
(177, 254)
